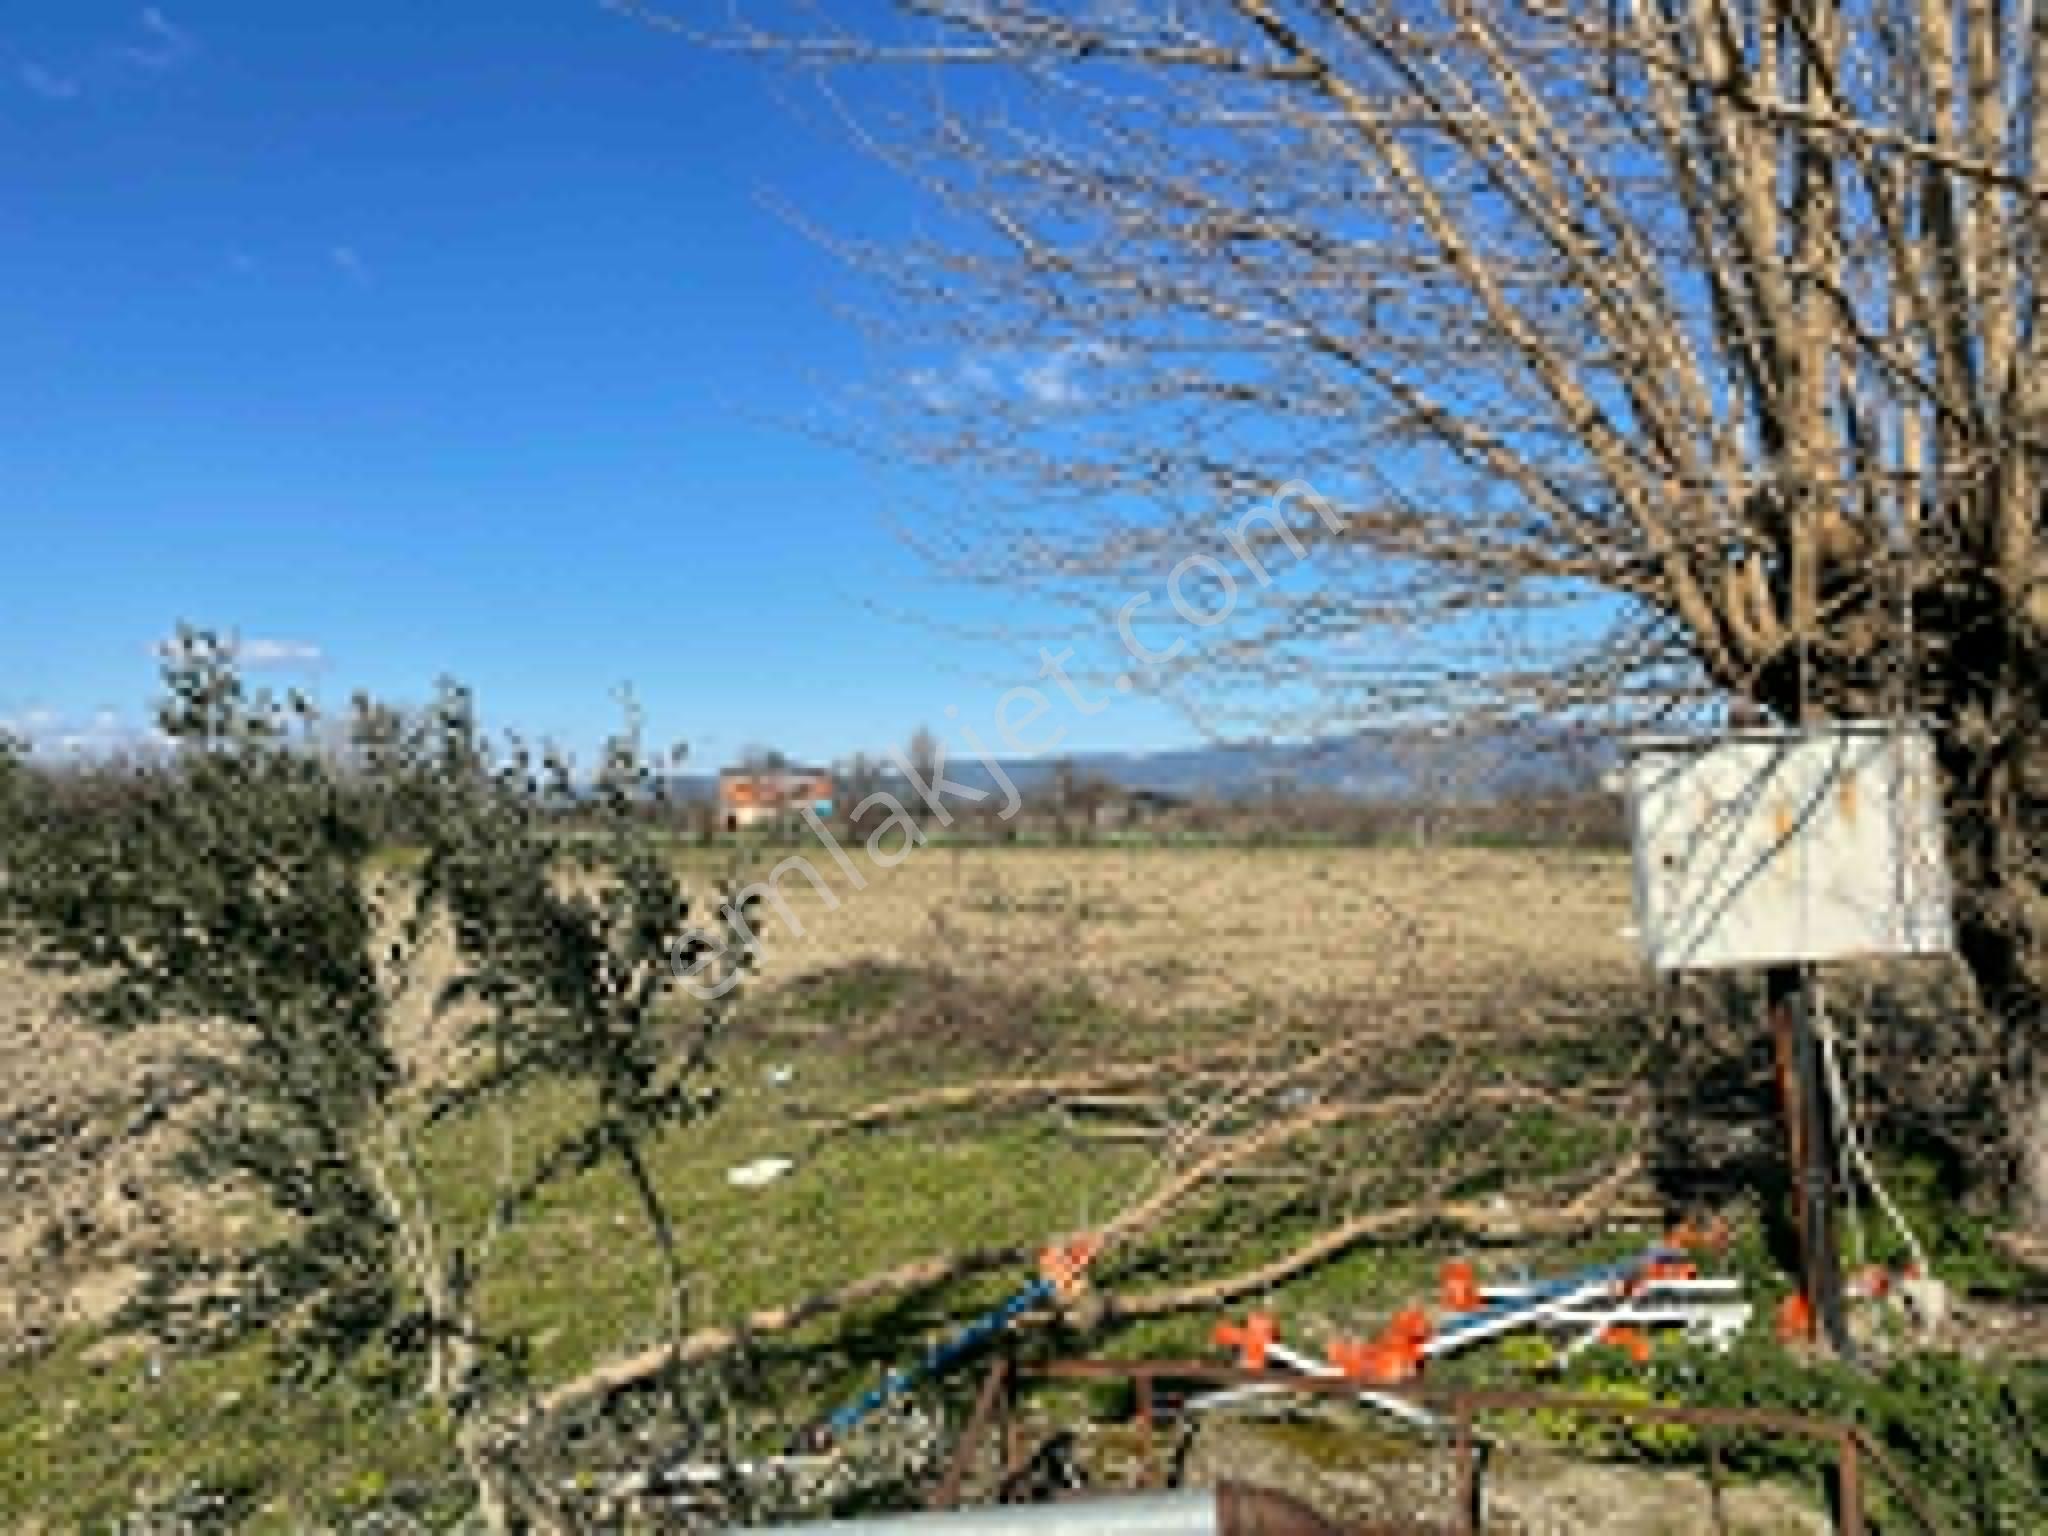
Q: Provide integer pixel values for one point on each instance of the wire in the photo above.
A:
(1852, 1138)
(1849, 1112)
(1843, 1116)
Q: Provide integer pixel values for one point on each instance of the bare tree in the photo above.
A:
(856, 779)
(1073, 799)
(925, 757)
(1641, 356)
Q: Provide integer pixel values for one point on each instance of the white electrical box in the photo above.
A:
(1772, 847)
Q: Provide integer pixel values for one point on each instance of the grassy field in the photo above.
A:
(955, 966)
(1166, 929)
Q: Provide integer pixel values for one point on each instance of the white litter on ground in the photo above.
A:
(764, 1170)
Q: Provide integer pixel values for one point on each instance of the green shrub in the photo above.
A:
(236, 880)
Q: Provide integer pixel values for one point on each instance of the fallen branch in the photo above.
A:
(998, 1093)
(711, 1343)
(1155, 1206)
(1485, 1221)
(1480, 1221)
(2027, 1251)
(1239, 1149)
(1180, 1068)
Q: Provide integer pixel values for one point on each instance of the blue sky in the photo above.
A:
(448, 339)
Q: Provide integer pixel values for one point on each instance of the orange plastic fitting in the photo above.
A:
(1795, 1319)
(1461, 1287)
(1631, 1341)
(1394, 1356)
(1691, 1238)
(1670, 1269)
(1250, 1341)
(1066, 1264)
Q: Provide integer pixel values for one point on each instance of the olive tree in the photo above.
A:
(239, 883)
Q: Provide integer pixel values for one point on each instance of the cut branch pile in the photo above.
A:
(1400, 1132)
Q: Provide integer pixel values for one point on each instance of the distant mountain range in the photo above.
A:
(1466, 766)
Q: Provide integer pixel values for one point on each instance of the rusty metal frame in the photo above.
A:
(1855, 1449)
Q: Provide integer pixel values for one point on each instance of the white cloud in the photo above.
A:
(106, 733)
(255, 651)
(1047, 382)
(170, 45)
(932, 391)
(48, 84)
(948, 389)
(263, 652)
(349, 262)
(164, 46)
(1054, 381)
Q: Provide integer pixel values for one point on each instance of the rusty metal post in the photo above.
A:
(1716, 1476)
(1468, 1474)
(947, 1494)
(1148, 1477)
(1010, 1428)
(1803, 1094)
(1855, 1449)
(1894, 1480)
(1849, 1486)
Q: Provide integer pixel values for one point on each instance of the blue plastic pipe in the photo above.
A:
(942, 1357)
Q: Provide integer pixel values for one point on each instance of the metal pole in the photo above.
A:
(1230, 1509)
(1809, 1153)
(1145, 1408)
(1469, 1518)
(1850, 1487)
(986, 1406)
(1159, 1514)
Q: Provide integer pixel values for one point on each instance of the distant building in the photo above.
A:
(747, 798)
(1114, 807)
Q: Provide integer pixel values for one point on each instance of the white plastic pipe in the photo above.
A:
(1159, 1514)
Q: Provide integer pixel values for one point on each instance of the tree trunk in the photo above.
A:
(2032, 1144)
(2015, 998)
(2002, 936)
